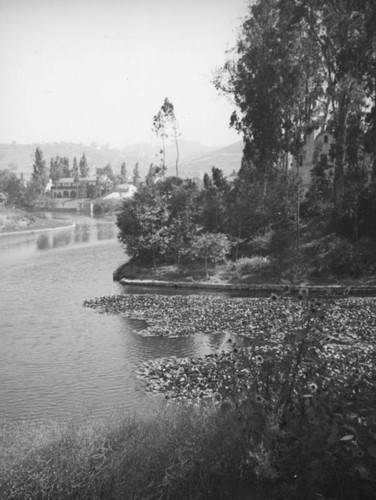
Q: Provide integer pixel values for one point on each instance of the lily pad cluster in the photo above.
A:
(346, 320)
(183, 378)
(243, 372)
(342, 332)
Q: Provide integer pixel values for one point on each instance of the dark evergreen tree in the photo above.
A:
(84, 167)
(76, 175)
(67, 172)
(136, 175)
(39, 177)
(123, 173)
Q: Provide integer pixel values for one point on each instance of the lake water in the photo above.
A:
(58, 358)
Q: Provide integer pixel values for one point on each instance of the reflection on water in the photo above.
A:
(62, 239)
(18, 246)
(57, 357)
(43, 242)
(104, 231)
(146, 347)
(81, 233)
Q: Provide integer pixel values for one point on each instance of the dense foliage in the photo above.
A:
(159, 220)
(301, 67)
(12, 188)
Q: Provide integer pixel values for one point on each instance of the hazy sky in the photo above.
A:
(99, 70)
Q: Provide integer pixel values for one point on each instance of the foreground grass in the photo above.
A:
(179, 453)
(182, 453)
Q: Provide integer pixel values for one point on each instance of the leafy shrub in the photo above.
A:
(102, 206)
(13, 219)
(341, 257)
(207, 247)
(159, 220)
(260, 244)
(249, 265)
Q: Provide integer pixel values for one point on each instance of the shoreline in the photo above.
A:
(37, 230)
(228, 278)
(15, 221)
(258, 289)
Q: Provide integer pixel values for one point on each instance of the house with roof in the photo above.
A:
(66, 187)
(317, 149)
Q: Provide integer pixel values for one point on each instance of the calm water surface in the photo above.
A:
(58, 358)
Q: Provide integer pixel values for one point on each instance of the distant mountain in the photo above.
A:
(227, 159)
(187, 149)
(194, 158)
(20, 157)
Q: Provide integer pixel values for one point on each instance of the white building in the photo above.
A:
(123, 191)
(317, 148)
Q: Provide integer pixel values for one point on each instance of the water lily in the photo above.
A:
(312, 387)
(259, 399)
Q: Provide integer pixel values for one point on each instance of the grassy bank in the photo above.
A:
(15, 220)
(247, 270)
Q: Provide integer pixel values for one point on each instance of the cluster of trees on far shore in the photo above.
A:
(15, 191)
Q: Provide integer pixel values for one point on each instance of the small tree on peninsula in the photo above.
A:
(209, 247)
(143, 224)
(159, 221)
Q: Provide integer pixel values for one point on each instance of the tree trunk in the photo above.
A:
(177, 156)
(154, 262)
(163, 158)
(237, 244)
(356, 222)
(340, 157)
(298, 207)
(265, 184)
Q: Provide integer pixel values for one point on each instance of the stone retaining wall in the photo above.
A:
(260, 289)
